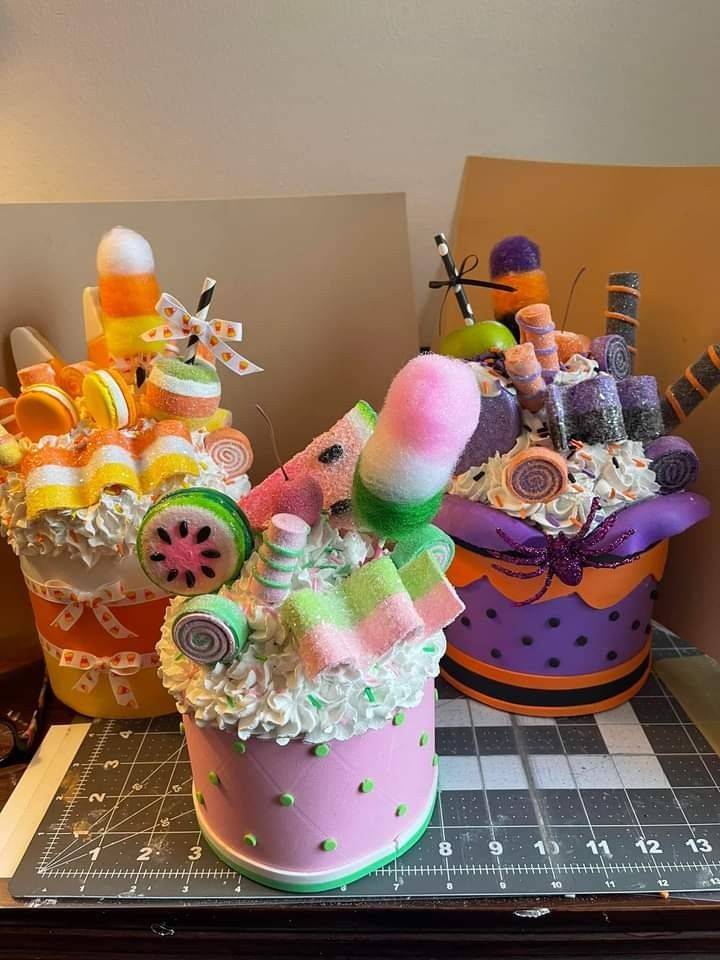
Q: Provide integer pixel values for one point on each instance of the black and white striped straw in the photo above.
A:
(444, 250)
(203, 308)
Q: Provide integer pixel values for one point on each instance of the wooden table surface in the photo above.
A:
(642, 926)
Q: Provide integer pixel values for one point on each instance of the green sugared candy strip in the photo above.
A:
(189, 372)
(427, 538)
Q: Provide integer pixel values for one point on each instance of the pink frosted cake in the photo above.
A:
(564, 500)
(306, 681)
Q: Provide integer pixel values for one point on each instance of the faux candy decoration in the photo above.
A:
(44, 409)
(697, 383)
(429, 414)
(330, 459)
(230, 449)
(589, 411)
(278, 557)
(641, 408)
(186, 391)
(303, 497)
(536, 475)
(516, 261)
(10, 451)
(622, 308)
(498, 428)
(612, 355)
(537, 327)
(675, 463)
(109, 400)
(525, 372)
(210, 629)
(479, 340)
(428, 539)
(569, 343)
(193, 541)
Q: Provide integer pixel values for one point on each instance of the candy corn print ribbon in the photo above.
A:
(179, 324)
(119, 667)
(75, 602)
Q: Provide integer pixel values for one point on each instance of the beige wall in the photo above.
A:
(142, 99)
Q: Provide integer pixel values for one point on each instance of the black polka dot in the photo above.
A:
(527, 641)
(648, 628)
(554, 622)
(553, 662)
(636, 624)
(491, 614)
(495, 653)
(612, 655)
(465, 621)
(580, 641)
(615, 615)
(653, 594)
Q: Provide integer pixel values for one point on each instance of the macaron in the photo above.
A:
(44, 409)
(109, 400)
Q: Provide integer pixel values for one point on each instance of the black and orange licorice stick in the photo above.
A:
(697, 382)
(623, 301)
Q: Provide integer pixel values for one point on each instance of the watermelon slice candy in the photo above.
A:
(193, 541)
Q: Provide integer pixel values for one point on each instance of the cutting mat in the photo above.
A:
(625, 801)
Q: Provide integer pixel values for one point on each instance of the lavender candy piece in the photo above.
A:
(557, 420)
(498, 428)
(641, 408)
(595, 411)
(612, 355)
(674, 462)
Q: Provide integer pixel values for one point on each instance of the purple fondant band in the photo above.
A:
(477, 523)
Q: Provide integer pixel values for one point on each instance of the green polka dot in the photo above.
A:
(401, 810)
(239, 746)
(250, 839)
(200, 798)
(286, 800)
(329, 845)
(399, 719)
(435, 759)
(213, 778)
(367, 786)
(321, 750)
(424, 739)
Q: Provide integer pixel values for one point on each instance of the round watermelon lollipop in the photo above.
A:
(193, 541)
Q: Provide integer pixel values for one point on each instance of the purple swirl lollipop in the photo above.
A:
(209, 629)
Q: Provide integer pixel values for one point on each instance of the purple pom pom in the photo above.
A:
(514, 255)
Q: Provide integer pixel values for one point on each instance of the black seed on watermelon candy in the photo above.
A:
(157, 557)
(208, 571)
(172, 575)
(340, 507)
(190, 578)
(331, 454)
(202, 534)
(183, 528)
(164, 535)
(211, 554)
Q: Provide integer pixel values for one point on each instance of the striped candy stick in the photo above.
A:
(448, 262)
(203, 308)
(536, 327)
(278, 558)
(697, 382)
(525, 371)
(622, 308)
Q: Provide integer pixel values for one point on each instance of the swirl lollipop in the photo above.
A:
(612, 355)
(674, 463)
(230, 450)
(210, 628)
(536, 475)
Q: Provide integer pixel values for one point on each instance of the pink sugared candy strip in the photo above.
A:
(537, 327)
(230, 450)
(525, 372)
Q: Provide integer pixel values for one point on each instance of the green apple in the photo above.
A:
(488, 336)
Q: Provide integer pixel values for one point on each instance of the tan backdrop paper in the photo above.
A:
(662, 222)
(321, 285)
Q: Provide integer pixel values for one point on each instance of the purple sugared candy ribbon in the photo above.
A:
(562, 556)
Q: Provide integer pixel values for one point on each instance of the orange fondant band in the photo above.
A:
(673, 401)
(619, 288)
(599, 588)
(622, 316)
(537, 681)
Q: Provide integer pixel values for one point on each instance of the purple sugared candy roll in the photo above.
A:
(611, 355)
(498, 428)
(593, 410)
(641, 408)
(674, 462)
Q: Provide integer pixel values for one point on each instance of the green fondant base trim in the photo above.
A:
(255, 872)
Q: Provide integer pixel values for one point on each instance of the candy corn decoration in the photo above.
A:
(127, 294)
(515, 261)
(430, 413)
(29, 347)
(697, 383)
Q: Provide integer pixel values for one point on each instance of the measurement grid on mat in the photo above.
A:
(625, 801)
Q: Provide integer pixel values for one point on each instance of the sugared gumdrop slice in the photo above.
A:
(193, 541)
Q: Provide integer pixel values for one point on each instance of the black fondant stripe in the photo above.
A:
(536, 697)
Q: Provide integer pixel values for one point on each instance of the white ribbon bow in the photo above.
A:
(179, 324)
(118, 667)
(75, 602)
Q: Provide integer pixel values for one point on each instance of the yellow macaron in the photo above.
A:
(45, 409)
(109, 400)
